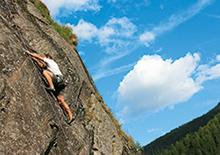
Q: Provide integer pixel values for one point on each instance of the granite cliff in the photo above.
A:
(31, 121)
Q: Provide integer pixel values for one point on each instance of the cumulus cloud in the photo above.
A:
(73, 5)
(154, 83)
(114, 34)
(115, 29)
(176, 19)
(84, 30)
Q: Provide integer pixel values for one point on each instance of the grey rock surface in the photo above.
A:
(31, 121)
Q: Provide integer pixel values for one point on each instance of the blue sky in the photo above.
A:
(156, 63)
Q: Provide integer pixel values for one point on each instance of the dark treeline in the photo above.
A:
(206, 141)
(198, 137)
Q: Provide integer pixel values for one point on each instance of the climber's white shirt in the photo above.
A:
(52, 66)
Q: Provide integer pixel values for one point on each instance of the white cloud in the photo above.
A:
(116, 29)
(113, 35)
(73, 5)
(84, 30)
(176, 19)
(155, 83)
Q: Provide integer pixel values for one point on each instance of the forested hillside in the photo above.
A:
(200, 136)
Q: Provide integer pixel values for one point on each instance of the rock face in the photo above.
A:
(31, 121)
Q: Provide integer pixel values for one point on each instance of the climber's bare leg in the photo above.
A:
(49, 76)
(65, 106)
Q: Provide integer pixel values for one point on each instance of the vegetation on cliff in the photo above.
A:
(64, 31)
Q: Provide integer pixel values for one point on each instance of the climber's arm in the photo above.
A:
(40, 63)
(37, 56)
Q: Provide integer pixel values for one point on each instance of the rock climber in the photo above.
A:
(54, 77)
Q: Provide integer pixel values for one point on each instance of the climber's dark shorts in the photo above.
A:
(59, 85)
